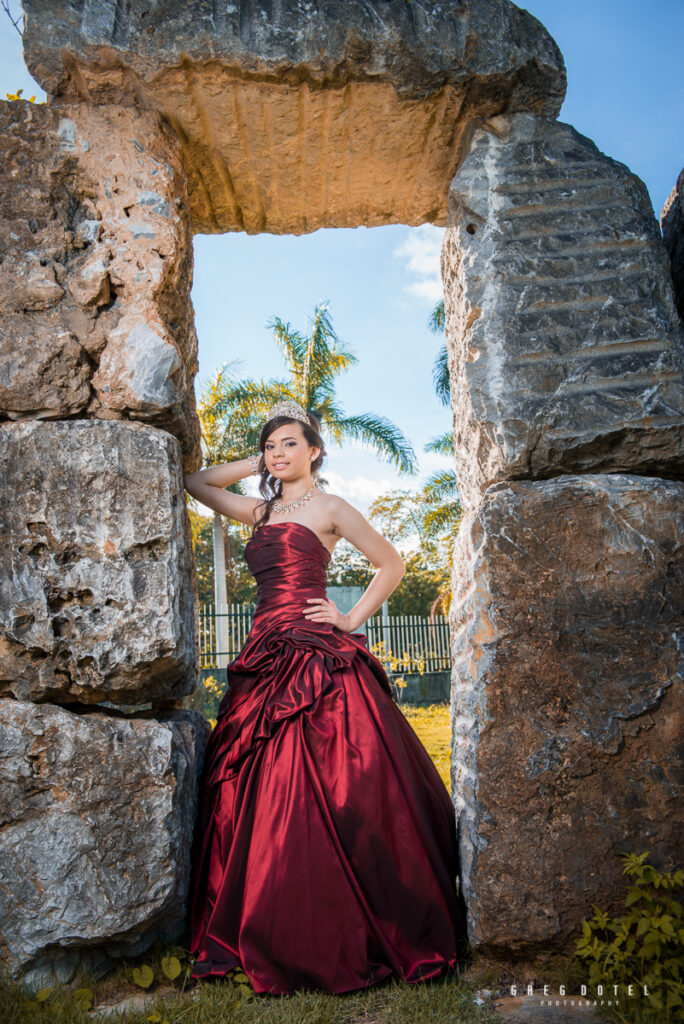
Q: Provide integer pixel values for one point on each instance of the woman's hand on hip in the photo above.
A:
(324, 609)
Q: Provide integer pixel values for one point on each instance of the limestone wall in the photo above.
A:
(566, 347)
(568, 702)
(96, 270)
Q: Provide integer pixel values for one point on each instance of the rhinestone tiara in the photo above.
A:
(290, 409)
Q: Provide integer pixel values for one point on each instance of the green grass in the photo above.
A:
(432, 725)
(442, 1001)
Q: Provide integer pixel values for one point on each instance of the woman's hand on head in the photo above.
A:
(324, 609)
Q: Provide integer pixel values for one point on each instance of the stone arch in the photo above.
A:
(567, 403)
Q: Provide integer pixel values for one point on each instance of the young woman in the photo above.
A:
(325, 851)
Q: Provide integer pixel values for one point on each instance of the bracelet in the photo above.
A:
(254, 463)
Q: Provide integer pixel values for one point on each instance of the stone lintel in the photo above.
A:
(296, 115)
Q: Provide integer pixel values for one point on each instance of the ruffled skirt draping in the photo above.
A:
(325, 851)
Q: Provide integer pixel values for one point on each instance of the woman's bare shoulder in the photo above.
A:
(337, 509)
(330, 502)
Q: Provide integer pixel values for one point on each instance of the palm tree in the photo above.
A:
(442, 509)
(440, 370)
(226, 432)
(434, 513)
(314, 362)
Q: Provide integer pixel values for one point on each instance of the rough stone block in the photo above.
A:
(567, 699)
(564, 343)
(98, 597)
(97, 814)
(296, 116)
(672, 224)
(95, 310)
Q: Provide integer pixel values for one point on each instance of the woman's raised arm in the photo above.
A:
(207, 485)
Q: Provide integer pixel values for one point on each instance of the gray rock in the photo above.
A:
(567, 700)
(97, 815)
(565, 345)
(341, 102)
(30, 371)
(96, 270)
(97, 586)
(672, 224)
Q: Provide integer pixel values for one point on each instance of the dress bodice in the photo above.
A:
(288, 660)
(289, 562)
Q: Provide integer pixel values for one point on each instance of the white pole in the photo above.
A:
(220, 593)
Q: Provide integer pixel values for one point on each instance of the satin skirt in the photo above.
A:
(325, 852)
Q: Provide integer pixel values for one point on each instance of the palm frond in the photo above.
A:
(441, 485)
(293, 345)
(437, 318)
(248, 398)
(442, 517)
(443, 444)
(325, 358)
(440, 376)
(381, 434)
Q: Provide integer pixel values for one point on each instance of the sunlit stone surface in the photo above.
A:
(299, 115)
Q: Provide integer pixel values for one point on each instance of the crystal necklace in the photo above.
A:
(288, 506)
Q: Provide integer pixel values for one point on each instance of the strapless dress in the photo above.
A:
(325, 852)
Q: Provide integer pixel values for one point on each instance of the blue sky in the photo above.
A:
(625, 92)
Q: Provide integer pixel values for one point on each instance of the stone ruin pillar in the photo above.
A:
(672, 224)
(97, 587)
(565, 353)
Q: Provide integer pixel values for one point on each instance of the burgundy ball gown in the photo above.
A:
(325, 851)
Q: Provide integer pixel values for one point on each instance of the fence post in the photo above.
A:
(386, 626)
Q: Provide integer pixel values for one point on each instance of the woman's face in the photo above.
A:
(287, 453)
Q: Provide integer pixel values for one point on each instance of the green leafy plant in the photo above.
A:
(143, 976)
(170, 967)
(176, 966)
(643, 947)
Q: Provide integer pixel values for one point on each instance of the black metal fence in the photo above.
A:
(404, 643)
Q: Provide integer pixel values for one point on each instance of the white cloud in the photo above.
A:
(421, 250)
(361, 489)
(428, 289)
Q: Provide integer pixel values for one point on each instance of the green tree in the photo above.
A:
(406, 515)
(314, 363)
(240, 584)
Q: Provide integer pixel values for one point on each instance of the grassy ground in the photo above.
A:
(433, 727)
(447, 1000)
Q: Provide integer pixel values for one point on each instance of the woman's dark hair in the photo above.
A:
(270, 487)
